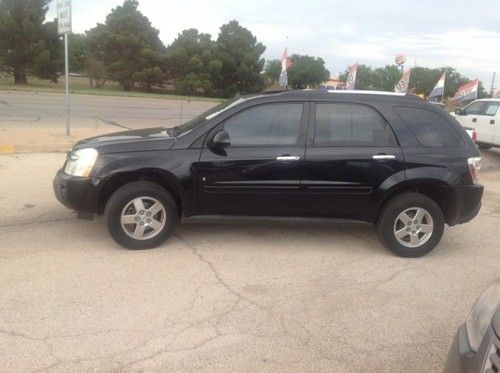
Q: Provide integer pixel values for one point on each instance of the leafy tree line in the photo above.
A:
(127, 49)
(422, 79)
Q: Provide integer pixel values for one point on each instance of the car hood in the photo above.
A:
(133, 140)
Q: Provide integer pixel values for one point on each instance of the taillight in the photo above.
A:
(474, 136)
(474, 167)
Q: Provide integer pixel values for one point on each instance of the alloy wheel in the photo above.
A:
(143, 218)
(413, 227)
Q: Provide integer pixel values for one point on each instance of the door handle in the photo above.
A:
(383, 156)
(492, 121)
(474, 120)
(288, 158)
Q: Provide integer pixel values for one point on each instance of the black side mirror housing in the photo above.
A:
(459, 111)
(221, 139)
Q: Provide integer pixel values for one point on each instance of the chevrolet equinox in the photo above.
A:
(390, 159)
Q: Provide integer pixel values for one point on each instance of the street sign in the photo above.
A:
(63, 16)
(64, 27)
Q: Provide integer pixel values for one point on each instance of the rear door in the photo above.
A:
(351, 151)
(259, 173)
(487, 122)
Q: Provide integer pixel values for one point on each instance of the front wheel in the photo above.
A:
(140, 215)
(410, 225)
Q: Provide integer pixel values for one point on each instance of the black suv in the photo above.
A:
(390, 159)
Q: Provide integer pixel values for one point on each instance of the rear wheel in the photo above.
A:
(140, 215)
(410, 225)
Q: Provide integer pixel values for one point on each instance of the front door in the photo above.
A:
(350, 153)
(259, 172)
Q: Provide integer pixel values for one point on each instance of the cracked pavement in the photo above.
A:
(227, 298)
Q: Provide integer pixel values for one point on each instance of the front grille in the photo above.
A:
(492, 364)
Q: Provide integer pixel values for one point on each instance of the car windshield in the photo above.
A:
(207, 115)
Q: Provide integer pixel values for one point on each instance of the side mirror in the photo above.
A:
(459, 111)
(221, 140)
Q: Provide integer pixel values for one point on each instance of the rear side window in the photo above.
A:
(430, 128)
(339, 124)
(491, 108)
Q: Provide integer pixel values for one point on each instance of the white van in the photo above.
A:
(484, 117)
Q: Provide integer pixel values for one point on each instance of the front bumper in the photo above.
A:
(465, 203)
(462, 359)
(76, 193)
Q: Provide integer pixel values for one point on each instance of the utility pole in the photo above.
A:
(66, 80)
(492, 89)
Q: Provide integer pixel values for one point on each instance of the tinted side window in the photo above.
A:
(491, 108)
(430, 128)
(272, 124)
(350, 125)
(474, 108)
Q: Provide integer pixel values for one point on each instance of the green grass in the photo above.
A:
(80, 85)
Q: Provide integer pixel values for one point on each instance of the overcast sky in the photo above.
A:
(431, 33)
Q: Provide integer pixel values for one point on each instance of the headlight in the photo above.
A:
(81, 162)
(481, 315)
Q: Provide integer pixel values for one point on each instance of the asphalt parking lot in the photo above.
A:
(227, 298)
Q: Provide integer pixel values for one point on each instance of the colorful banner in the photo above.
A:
(404, 82)
(438, 90)
(351, 78)
(285, 64)
(468, 91)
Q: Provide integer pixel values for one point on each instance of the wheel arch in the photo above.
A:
(161, 177)
(436, 189)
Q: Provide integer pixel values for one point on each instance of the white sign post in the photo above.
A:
(64, 27)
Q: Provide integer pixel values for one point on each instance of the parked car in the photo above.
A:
(476, 347)
(389, 159)
(484, 117)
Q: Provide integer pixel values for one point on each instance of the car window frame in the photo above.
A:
(312, 128)
(481, 111)
(452, 125)
(301, 138)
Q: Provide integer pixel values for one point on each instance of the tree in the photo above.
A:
(78, 52)
(28, 47)
(149, 76)
(272, 71)
(307, 71)
(241, 62)
(50, 62)
(127, 44)
(192, 61)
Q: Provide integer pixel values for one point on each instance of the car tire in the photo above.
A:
(410, 225)
(141, 215)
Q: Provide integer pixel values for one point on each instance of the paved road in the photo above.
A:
(48, 110)
(219, 298)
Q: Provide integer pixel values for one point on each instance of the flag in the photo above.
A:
(285, 64)
(402, 86)
(468, 91)
(438, 90)
(351, 78)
